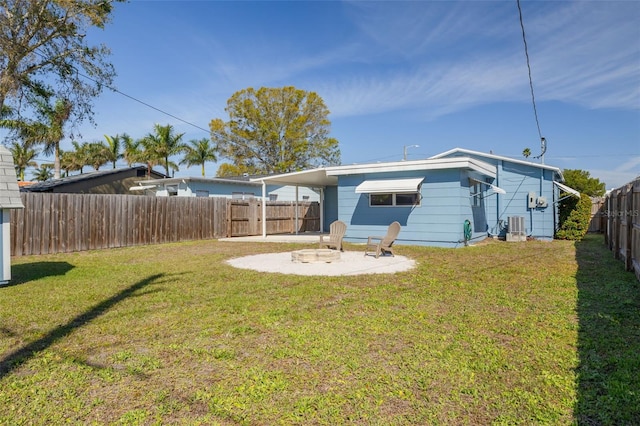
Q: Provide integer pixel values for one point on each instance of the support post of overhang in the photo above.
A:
(322, 210)
(264, 209)
(297, 216)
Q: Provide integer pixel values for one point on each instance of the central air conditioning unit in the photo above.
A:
(516, 231)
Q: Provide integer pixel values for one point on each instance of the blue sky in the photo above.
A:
(439, 74)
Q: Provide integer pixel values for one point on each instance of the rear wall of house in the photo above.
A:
(437, 221)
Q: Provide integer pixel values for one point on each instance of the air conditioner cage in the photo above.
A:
(516, 225)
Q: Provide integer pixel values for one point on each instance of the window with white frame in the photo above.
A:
(475, 189)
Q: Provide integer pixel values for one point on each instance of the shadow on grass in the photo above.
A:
(19, 356)
(608, 310)
(26, 272)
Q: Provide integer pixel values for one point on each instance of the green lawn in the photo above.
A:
(503, 333)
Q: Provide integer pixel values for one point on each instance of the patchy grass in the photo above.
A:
(522, 333)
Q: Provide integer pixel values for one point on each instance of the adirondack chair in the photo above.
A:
(382, 245)
(336, 233)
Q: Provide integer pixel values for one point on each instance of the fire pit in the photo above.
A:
(315, 256)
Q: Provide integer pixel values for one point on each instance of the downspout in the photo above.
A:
(264, 209)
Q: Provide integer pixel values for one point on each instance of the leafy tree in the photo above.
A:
(23, 157)
(276, 130)
(576, 224)
(198, 152)
(113, 148)
(162, 144)
(44, 52)
(581, 181)
(43, 173)
(227, 169)
(526, 153)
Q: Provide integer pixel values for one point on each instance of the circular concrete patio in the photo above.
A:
(350, 263)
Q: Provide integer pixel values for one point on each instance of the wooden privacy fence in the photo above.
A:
(598, 221)
(622, 231)
(61, 223)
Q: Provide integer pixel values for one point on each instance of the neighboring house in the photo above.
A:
(433, 199)
(112, 181)
(239, 188)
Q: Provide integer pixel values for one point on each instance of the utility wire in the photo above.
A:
(135, 99)
(533, 97)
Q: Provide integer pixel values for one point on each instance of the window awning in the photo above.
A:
(495, 188)
(389, 186)
(565, 188)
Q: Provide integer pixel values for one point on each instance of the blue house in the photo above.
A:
(239, 188)
(451, 199)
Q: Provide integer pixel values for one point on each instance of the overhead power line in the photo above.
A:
(133, 98)
(543, 141)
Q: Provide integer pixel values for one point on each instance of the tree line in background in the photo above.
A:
(50, 75)
(155, 149)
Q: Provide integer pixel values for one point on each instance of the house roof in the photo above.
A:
(9, 191)
(479, 166)
(240, 180)
(328, 176)
(468, 152)
(312, 178)
(83, 177)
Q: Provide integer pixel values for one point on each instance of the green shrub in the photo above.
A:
(576, 224)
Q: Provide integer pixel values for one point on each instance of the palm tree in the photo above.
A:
(23, 157)
(74, 161)
(199, 152)
(43, 173)
(98, 154)
(131, 150)
(52, 132)
(48, 131)
(113, 145)
(162, 144)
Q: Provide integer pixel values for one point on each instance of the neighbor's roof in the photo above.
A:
(240, 180)
(47, 185)
(9, 191)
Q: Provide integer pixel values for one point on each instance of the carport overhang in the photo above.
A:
(314, 178)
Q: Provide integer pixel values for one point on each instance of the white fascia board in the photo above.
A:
(497, 157)
(481, 167)
(312, 178)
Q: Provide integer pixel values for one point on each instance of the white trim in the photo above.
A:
(447, 154)
(495, 188)
(389, 186)
(141, 187)
(479, 166)
(567, 189)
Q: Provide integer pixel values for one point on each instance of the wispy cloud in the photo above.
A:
(582, 53)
